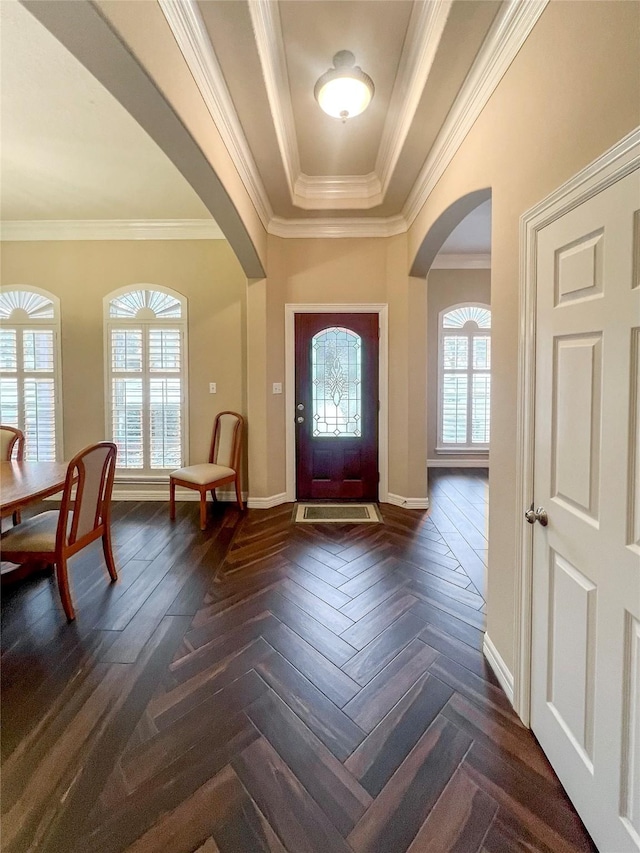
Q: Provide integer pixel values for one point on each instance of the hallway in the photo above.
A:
(270, 686)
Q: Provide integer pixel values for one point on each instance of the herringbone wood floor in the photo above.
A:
(271, 687)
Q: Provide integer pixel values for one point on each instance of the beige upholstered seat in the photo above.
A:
(223, 466)
(12, 439)
(83, 517)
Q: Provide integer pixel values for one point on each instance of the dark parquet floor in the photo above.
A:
(265, 686)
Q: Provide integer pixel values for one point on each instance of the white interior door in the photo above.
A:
(586, 564)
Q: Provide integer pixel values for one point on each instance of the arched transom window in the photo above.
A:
(146, 330)
(336, 383)
(464, 378)
(30, 391)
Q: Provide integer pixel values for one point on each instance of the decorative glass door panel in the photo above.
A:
(337, 406)
(336, 383)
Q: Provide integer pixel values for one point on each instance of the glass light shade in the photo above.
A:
(344, 97)
(345, 90)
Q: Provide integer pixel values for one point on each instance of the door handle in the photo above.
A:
(532, 515)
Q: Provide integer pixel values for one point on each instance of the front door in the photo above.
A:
(337, 406)
(586, 571)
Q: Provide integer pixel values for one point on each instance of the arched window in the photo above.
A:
(30, 390)
(146, 382)
(464, 377)
(336, 382)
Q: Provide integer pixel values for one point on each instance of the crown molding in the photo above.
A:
(189, 30)
(338, 191)
(267, 30)
(337, 227)
(424, 33)
(110, 229)
(507, 35)
(462, 261)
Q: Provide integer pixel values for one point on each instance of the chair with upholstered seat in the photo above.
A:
(223, 466)
(12, 439)
(83, 517)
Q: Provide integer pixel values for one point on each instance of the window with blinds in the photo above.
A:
(30, 369)
(146, 363)
(465, 378)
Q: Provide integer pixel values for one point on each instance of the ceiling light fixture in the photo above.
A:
(345, 90)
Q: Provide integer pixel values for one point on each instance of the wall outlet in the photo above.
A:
(213, 388)
(277, 387)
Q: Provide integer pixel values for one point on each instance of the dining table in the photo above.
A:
(24, 483)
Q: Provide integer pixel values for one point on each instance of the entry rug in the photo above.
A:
(338, 514)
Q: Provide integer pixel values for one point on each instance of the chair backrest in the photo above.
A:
(226, 441)
(91, 472)
(9, 437)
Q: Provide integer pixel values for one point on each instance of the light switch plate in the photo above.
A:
(213, 389)
(277, 387)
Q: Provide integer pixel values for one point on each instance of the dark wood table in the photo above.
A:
(23, 483)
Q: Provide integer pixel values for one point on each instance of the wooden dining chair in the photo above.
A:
(223, 466)
(12, 439)
(83, 517)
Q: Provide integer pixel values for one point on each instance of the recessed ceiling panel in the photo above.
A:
(314, 31)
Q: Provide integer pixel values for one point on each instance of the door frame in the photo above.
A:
(382, 310)
(619, 161)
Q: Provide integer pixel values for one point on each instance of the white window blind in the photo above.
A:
(465, 378)
(29, 370)
(146, 341)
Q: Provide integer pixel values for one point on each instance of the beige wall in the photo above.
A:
(444, 289)
(358, 271)
(571, 93)
(82, 273)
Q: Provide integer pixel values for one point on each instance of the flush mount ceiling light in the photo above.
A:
(345, 90)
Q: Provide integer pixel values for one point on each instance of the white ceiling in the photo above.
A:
(69, 150)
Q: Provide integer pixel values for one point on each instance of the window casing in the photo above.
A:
(146, 378)
(464, 378)
(30, 369)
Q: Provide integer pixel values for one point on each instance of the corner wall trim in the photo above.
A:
(499, 667)
(269, 502)
(407, 503)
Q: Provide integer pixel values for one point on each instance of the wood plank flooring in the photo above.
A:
(264, 686)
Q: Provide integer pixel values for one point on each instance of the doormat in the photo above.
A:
(338, 513)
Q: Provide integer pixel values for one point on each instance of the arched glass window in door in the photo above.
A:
(336, 382)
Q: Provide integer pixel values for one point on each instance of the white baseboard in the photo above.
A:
(454, 462)
(162, 494)
(407, 503)
(499, 667)
(268, 503)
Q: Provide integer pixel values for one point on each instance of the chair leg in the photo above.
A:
(203, 510)
(63, 587)
(214, 497)
(172, 499)
(239, 493)
(108, 555)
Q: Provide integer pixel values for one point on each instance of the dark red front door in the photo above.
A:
(337, 406)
